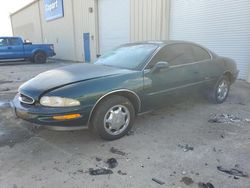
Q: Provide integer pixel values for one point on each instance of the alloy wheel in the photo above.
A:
(117, 119)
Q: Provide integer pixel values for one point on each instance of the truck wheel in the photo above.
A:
(113, 117)
(40, 58)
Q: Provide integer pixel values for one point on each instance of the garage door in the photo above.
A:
(222, 26)
(114, 23)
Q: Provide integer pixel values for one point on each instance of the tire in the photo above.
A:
(220, 91)
(40, 58)
(113, 118)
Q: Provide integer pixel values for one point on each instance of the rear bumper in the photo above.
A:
(51, 54)
(44, 115)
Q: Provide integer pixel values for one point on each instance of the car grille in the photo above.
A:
(26, 99)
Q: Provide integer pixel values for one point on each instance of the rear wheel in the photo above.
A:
(220, 91)
(113, 117)
(40, 57)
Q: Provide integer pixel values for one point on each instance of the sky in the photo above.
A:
(7, 7)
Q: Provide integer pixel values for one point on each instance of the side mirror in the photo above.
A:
(160, 65)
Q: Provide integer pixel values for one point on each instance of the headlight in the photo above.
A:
(52, 101)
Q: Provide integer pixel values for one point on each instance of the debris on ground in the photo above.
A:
(236, 178)
(237, 166)
(233, 171)
(186, 147)
(100, 171)
(205, 185)
(184, 173)
(158, 181)
(112, 163)
(247, 120)
(226, 118)
(187, 180)
(80, 171)
(98, 159)
(121, 173)
(116, 151)
(223, 118)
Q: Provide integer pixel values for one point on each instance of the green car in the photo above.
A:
(132, 79)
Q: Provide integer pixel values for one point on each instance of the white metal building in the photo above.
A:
(222, 26)
(105, 23)
(86, 28)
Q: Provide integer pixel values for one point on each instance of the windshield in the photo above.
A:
(128, 57)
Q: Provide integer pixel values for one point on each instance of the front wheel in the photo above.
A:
(113, 117)
(221, 90)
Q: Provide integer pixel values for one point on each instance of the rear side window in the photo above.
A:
(200, 54)
(14, 42)
(180, 54)
(3, 42)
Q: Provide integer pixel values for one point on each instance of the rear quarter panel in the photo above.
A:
(230, 65)
(222, 66)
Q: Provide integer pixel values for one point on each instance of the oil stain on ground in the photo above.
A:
(11, 131)
(10, 137)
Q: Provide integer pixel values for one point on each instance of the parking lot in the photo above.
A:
(182, 145)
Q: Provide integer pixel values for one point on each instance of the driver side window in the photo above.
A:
(174, 54)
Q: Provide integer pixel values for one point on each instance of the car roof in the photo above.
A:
(165, 42)
(162, 43)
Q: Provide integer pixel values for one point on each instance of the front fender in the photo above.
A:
(90, 91)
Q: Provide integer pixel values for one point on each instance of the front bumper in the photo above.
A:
(44, 115)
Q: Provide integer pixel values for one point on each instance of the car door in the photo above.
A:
(182, 73)
(4, 48)
(15, 47)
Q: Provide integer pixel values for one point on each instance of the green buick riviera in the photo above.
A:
(132, 79)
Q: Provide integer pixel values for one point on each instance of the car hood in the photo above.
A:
(59, 77)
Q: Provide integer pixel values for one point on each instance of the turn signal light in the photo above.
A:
(67, 117)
